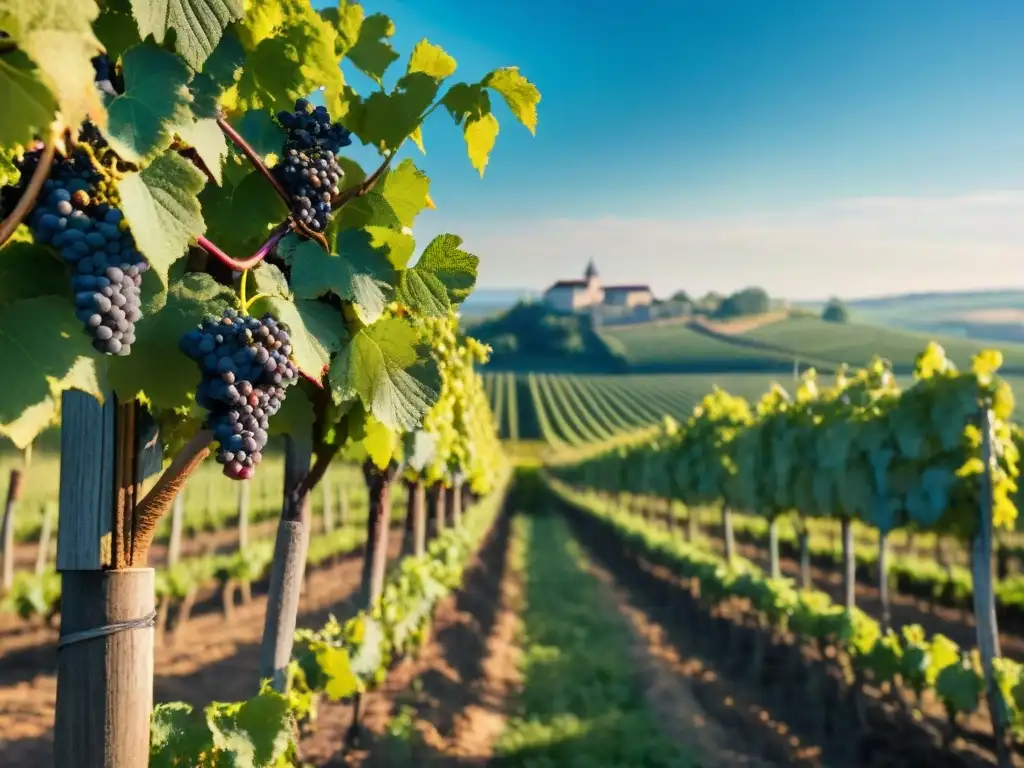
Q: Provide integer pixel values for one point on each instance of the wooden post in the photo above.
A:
(883, 577)
(328, 510)
(692, 525)
(409, 528)
(243, 515)
(439, 498)
(288, 568)
(419, 519)
(177, 521)
(805, 558)
(343, 505)
(13, 494)
(105, 656)
(378, 484)
(727, 534)
(773, 549)
(45, 535)
(984, 599)
(849, 564)
(456, 497)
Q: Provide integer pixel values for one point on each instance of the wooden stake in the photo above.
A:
(45, 534)
(419, 520)
(849, 565)
(177, 521)
(243, 516)
(105, 683)
(13, 494)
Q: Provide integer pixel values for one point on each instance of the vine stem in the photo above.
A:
(368, 184)
(28, 198)
(241, 266)
(249, 152)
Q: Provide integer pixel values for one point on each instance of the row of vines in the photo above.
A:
(940, 455)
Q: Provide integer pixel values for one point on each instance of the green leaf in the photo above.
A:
(444, 274)
(28, 270)
(197, 24)
(47, 352)
(207, 139)
(379, 442)
(116, 28)
(454, 267)
(431, 60)
(347, 20)
(386, 120)
(161, 205)
(292, 55)
(269, 279)
(220, 72)
(241, 212)
(480, 134)
(396, 246)
(296, 416)
(28, 104)
(465, 101)
(420, 447)
(57, 36)
(264, 134)
(336, 667)
(177, 733)
(317, 331)
(360, 273)
(141, 119)
(256, 732)
(375, 367)
(519, 93)
(156, 366)
(372, 52)
(405, 190)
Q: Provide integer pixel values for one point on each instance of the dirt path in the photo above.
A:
(213, 659)
(445, 707)
(669, 680)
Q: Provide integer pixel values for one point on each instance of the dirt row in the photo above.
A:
(791, 710)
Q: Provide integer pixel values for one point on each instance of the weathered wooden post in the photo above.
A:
(243, 515)
(105, 651)
(45, 536)
(13, 494)
(456, 499)
(177, 521)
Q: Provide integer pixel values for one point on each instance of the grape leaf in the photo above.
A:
(161, 205)
(405, 190)
(372, 53)
(431, 60)
(177, 733)
(57, 36)
(296, 416)
(444, 274)
(281, 68)
(142, 118)
(116, 28)
(240, 213)
(255, 732)
(28, 270)
(347, 19)
(28, 104)
(207, 139)
(262, 131)
(369, 657)
(385, 120)
(156, 366)
(380, 442)
(220, 72)
(197, 24)
(336, 666)
(47, 352)
(360, 273)
(396, 246)
(317, 330)
(269, 279)
(420, 447)
(480, 134)
(375, 367)
(519, 93)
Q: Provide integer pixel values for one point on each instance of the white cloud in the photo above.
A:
(849, 247)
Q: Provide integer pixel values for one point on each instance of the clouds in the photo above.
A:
(850, 247)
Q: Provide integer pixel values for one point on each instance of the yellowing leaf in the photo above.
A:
(519, 93)
(432, 60)
(480, 136)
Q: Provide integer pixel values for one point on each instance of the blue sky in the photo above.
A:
(814, 147)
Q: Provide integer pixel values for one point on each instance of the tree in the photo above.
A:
(835, 312)
(749, 301)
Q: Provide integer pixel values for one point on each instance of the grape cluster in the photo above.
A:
(74, 215)
(310, 128)
(245, 370)
(309, 168)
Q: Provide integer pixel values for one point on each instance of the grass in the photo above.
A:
(678, 348)
(581, 705)
(855, 343)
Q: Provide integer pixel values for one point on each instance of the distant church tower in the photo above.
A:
(591, 276)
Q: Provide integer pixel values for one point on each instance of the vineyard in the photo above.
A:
(267, 506)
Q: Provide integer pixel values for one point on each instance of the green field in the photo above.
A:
(856, 344)
(679, 348)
